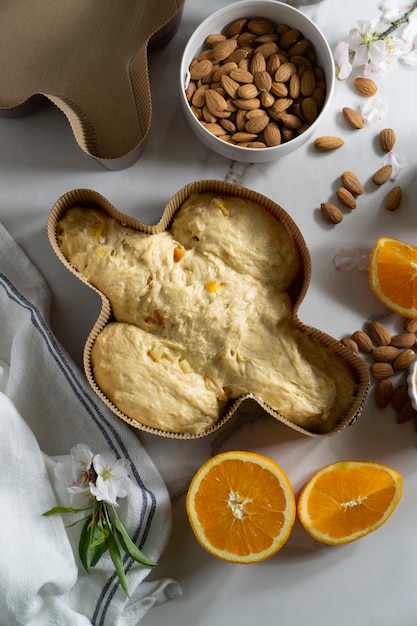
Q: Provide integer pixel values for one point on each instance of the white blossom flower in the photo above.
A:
(350, 258)
(373, 110)
(369, 51)
(76, 472)
(341, 57)
(396, 163)
(112, 477)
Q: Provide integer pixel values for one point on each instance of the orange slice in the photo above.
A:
(241, 507)
(347, 500)
(393, 275)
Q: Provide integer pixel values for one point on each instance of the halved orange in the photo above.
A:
(347, 500)
(393, 275)
(241, 507)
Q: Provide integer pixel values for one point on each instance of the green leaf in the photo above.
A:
(84, 544)
(63, 509)
(97, 552)
(129, 547)
(117, 560)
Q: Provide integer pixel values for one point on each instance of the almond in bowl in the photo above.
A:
(199, 313)
(256, 79)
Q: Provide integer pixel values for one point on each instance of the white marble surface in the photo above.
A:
(366, 583)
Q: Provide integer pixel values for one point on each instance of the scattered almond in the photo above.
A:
(403, 340)
(331, 212)
(406, 413)
(404, 359)
(385, 354)
(410, 325)
(363, 341)
(393, 199)
(353, 118)
(383, 393)
(381, 370)
(399, 397)
(382, 175)
(352, 183)
(351, 344)
(346, 198)
(328, 142)
(366, 86)
(387, 139)
(379, 333)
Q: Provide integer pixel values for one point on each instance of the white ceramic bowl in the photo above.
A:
(412, 384)
(277, 12)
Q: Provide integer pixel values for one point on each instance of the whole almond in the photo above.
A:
(352, 183)
(223, 69)
(346, 198)
(236, 27)
(393, 199)
(243, 136)
(294, 87)
(214, 128)
(260, 26)
(385, 354)
(328, 142)
(201, 69)
(214, 101)
(410, 325)
(247, 91)
(309, 109)
(257, 124)
(214, 38)
(281, 105)
(406, 413)
(290, 121)
(381, 370)
(379, 333)
(363, 341)
(267, 49)
(308, 82)
(349, 343)
(382, 175)
(403, 340)
(366, 86)
(257, 64)
(241, 76)
(222, 49)
(399, 397)
(404, 359)
(230, 86)
(387, 139)
(247, 104)
(272, 134)
(353, 118)
(280, 90)
(263, 80)
(299, 49)
(383, 393)
(284, 72)
(289, 38)
(331, 213)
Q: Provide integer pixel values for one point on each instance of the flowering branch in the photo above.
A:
(404, 19)
(370, 46)
(94, 483)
